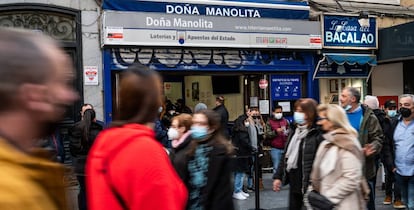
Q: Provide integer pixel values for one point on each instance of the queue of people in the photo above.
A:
(329, 155)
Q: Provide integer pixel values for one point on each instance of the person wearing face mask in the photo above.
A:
(180, 136)
(391, 188)
(400, 154)
(160, 129)
(277, 130)
(243, 150)
(370, 134)
(209, 166)
(390, 107)
(256, 134)
(299, 154)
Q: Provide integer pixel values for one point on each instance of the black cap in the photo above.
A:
(390, 103)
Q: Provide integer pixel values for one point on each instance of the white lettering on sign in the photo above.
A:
(181, 10)
(158, 22)
(232, 12)
(200, 23)
(179, 22)
(349, 37)
(212, 11)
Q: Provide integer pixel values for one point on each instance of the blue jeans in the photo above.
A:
(371, 201)
(276, 156)
(238, 181)
(407, 189)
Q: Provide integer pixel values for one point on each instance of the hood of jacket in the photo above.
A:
(115, 138)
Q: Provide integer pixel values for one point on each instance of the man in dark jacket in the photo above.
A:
(398, 152)
(369, 131)
(224, 115)
(386, 124)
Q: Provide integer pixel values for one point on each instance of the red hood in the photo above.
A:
(114, 138)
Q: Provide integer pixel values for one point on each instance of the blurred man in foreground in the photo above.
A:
(35, 91)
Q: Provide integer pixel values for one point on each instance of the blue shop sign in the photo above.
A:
(346, 32)
(223, 8)
(285, 87)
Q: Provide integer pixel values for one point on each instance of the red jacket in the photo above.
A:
(126, 166)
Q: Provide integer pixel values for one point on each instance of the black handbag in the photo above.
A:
(319, 202)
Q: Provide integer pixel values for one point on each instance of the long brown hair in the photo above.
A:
(139, 96)
(308, 106)
(215, 138)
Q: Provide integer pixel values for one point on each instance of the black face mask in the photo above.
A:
(405, 112)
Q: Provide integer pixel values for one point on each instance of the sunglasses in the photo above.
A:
(321, 118)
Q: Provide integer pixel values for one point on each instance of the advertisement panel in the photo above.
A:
(149, 29)
(286, 87)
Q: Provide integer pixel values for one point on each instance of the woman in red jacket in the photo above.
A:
(127, 168)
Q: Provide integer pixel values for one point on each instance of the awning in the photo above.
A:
(351, 59)
(338, 65)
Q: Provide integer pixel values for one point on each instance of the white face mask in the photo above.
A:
(247, 124)
(172, 134)
(278, 116)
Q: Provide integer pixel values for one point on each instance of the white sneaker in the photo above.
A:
(245, 194)
(239, 196)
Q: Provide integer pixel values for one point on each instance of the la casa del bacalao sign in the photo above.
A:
(347, 32)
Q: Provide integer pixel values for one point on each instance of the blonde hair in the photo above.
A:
(337, 116)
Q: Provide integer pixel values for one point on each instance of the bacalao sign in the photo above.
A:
(346, 32)
(198, 24)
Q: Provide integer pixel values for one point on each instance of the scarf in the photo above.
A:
(176, 142)
(252, 135)
(292, 152)
(334, 141)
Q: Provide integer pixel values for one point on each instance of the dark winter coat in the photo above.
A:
(388, 132)
(299, 178)
(79, 151)
(179, 158)
(370, 132)
(224, 118)
(218, 191)
(241, 142)
(389, 147)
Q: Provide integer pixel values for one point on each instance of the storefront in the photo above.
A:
(348, 55)
(394, 73)
(254, 53)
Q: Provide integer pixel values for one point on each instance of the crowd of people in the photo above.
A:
(160, 155)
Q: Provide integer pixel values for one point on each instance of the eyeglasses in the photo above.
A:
(321, 118)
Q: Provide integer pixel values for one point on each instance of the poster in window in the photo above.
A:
(195, 93)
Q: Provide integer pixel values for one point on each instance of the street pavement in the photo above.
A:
(269, 200)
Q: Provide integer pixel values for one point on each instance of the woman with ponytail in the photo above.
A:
(82, 136)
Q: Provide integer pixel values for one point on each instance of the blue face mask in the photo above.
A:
(299, 118)
(347, 107)
(199, 132)
(392, 113)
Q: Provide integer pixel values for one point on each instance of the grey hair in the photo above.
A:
(407, 96)
(354, 92)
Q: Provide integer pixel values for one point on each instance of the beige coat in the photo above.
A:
(340, 170)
